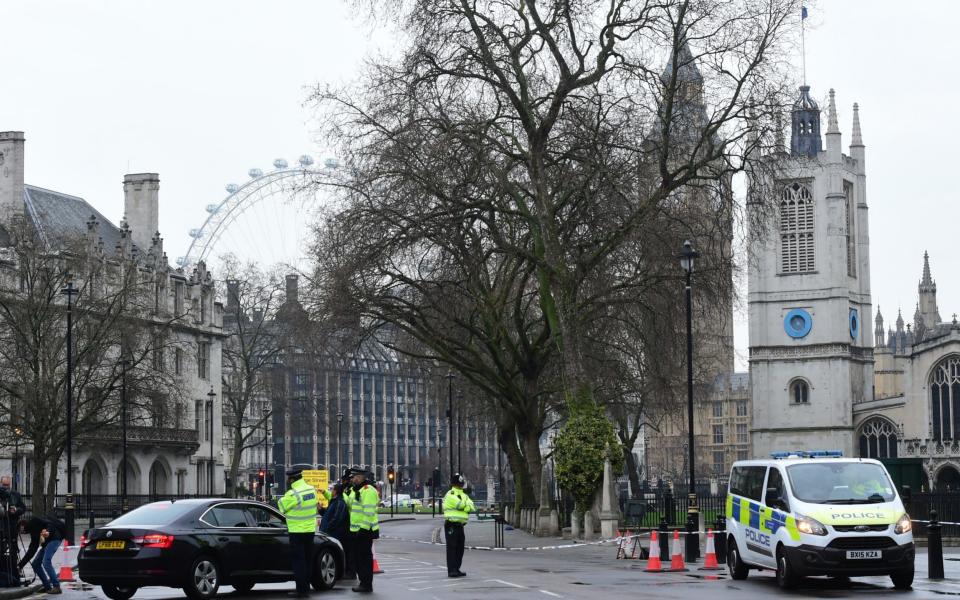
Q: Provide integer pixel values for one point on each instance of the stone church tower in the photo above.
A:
(811, 358)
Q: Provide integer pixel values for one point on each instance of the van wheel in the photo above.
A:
(902, 580)
(738, 569)
(786, 578)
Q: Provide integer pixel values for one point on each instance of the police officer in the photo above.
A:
(299, 507)
(457, 507)
(362, 499)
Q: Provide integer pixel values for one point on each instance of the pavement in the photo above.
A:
(414, 569)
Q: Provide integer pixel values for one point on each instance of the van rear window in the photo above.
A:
(748, 482)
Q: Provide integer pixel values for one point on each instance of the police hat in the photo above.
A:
(457, 479)
(295, 471)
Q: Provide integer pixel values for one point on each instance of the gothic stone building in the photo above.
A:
(169, 451)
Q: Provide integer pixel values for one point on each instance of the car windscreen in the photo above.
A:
(153, 515)
(840, 483)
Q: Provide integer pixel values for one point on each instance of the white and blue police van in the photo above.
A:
(817, 513)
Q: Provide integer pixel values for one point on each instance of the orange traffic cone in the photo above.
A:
(710, 560)
(653, 563)
(66, 571)
(376, 566)
(676, 558)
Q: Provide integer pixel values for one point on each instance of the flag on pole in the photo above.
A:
(803, 12)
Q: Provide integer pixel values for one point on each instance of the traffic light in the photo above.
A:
(262, 473)
(391, 476)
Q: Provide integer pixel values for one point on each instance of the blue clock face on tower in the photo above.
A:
(797, 323)
(854, 323)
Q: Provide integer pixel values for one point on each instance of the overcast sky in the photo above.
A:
(202, 91)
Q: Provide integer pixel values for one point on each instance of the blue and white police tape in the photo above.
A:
(536, 548)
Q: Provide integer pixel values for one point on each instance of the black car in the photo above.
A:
(198, 545)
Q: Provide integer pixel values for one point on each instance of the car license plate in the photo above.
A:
(111, 545)
(862, 554)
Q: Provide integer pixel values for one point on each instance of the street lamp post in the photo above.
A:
(124, 364)
(69, 291)
(460, 431)
(17, 432)
(211, 395)
(339, 442)
(687, 257)
(449, 420)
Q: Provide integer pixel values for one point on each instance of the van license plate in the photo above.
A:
(861, 554)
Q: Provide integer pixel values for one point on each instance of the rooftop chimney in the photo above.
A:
(292, 291)
(11, 175)
(141, 206)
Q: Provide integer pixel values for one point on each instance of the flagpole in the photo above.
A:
(803, 41)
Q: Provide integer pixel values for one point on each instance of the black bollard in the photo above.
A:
(720, 539)
(664, 540)
(934, 548)
(92, 523)
(692, 543)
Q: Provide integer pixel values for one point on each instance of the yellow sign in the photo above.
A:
(319, 479)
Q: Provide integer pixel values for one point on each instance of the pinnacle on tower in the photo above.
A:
(927, 279)
(899, 320)
(879, 318)
(857, 138)
(832, 125)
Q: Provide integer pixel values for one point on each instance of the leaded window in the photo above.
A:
(945, 399)
(878, 439)
(851, 229)
(799, 392)
(796, 229)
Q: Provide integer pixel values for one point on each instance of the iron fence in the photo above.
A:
(106, 505)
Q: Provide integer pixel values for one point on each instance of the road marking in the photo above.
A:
(551, 594)
(508, 583)
(433, 587)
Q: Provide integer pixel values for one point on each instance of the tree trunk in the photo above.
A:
(235, 464)
(518, 466)
(52, 484)
(633, 471)
(531, 451)
(39, 503)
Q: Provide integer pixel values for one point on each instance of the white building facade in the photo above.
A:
(811, 361)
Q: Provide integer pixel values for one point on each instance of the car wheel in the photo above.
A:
(242, 586)
(203, 579)
(324, 570)
(116, 592)
(902, 580)
(738, 570)
(786, 578)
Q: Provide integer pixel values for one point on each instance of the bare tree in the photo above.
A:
(114, 317)
(255, 345)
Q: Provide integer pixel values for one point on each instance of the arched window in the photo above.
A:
(796, 229)
(945, 399)
(878, 439)
(799, 392)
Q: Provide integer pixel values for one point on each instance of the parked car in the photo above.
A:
(199, 545)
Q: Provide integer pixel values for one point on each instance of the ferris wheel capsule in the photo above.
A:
(306, 160)
(254, 173)
(181, 261)
(232, 188)
(280, 163)
(196, 233)
(212, 208)
(331, 163)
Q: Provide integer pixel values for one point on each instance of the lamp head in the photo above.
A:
(687, 256)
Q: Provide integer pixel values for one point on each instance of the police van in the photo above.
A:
(817, 513)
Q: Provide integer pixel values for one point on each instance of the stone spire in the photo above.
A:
(878, 333)
(927, 292)
(899, 321)
(857, 138)
(833, 126)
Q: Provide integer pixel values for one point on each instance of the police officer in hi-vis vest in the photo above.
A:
(362, 499)
(299, 508)
(457, 507)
